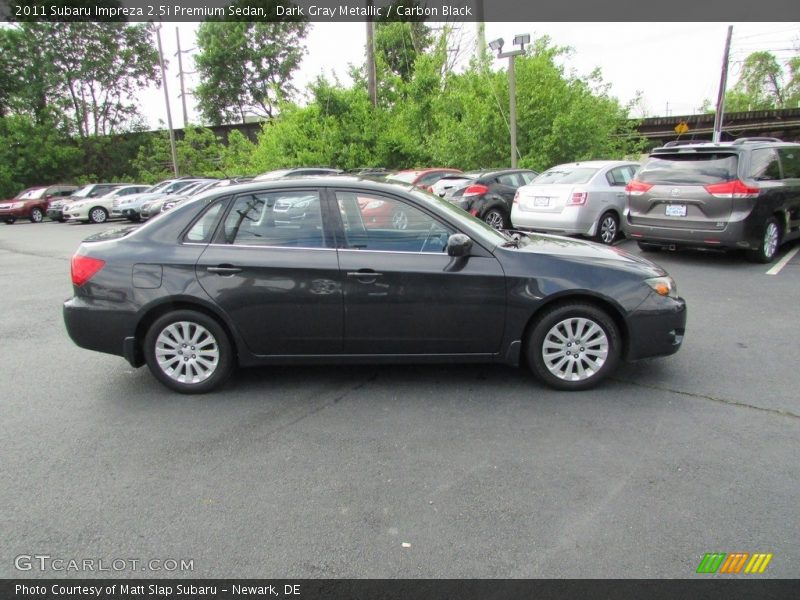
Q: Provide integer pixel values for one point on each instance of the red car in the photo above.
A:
(32, 203)
(421, 178)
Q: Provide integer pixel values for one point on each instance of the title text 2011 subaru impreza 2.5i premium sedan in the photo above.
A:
(225, 279)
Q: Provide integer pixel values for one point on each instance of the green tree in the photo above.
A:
(200, 153)
(246, 67)
(82, 74)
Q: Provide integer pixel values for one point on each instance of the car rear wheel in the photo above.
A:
(98, 215)
(607, 229)
(188, 352)
(37, 216)
(770, 242)
(573, 346)
(495, 218)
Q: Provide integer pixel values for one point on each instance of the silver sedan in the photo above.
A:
(582, 198)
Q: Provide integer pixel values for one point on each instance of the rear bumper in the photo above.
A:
(736, 234)
(94, 327)
(569, 221)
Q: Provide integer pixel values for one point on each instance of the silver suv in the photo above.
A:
(743, 194)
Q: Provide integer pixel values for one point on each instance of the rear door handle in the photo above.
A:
(225, 270)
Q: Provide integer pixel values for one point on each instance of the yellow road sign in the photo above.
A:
(681, 127)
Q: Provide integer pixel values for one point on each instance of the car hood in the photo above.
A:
(589, 252)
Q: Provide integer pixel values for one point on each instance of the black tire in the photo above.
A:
(212, 339)
(496, 218)
(645, 247)
(10, 221)
(596, 341)
(37, 215)
(135, 219)
(98, 214)
(770, 242)
(607, 228)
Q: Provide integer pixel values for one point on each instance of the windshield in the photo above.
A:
(404, 176)
(689, 168)
(471, 225)
(32, 194)
(273, 174)
(566, 174)
(82, 192)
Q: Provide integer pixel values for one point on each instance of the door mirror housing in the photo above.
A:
(458, 245)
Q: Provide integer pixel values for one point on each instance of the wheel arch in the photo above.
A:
(156, 311)
(614, 311)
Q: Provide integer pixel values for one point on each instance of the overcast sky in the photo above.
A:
(676, 66)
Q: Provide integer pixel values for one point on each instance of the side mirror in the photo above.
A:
(458, 245)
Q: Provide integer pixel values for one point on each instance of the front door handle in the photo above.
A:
(225, 270)
(365, 275)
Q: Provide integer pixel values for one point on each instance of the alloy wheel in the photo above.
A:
(187, 352)
(575, 349)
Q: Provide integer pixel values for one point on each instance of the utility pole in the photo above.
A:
(371, 76)
(723, 81)
(480, 42)
(180, 75)
(166, 101)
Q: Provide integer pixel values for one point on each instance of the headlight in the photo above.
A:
(18, 205)
(663, 286)
(77, 205)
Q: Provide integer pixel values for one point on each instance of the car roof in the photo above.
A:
(596, 163)
(746, 143)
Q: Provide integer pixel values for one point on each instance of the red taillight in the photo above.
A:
(475, 190)
(430, 189)
(84, 268)
(732, 189)
(578, 199)
(637, 188)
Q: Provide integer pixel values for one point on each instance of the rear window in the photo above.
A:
(690, 169)
(566, 175)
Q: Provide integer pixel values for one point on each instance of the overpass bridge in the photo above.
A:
(783, 124)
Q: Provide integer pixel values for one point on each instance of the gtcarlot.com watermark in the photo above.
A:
(57, 564)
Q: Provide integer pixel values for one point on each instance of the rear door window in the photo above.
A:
(694, 168)
(291, 218)
(764, 165)
(790, 159)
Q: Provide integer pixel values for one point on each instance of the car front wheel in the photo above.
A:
(770, 241)
(573, 346)
(10, 221)
(189, 352)
(98, 215)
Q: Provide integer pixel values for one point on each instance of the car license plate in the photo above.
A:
(541, 201)
(676, 210)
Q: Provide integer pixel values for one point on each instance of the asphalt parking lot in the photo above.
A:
(432, 472)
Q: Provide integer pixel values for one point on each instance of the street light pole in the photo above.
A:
(497, 45)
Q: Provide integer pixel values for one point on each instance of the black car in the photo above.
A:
(488, 195)
(224, 279)
(737, 195)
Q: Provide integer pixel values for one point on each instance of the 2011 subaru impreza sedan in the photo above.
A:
(291, 271)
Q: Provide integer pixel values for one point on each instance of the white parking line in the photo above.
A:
(782, 262)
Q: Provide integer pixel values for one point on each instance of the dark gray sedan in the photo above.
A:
(310, 271)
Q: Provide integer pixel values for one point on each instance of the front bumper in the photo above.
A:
(12, 213)
(128, 213)
(55, 214)
(656, 327)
